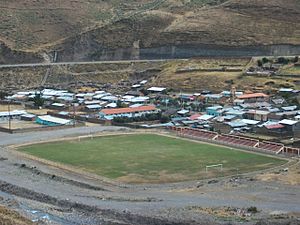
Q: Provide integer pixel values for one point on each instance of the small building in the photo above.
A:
(94, 107)
(229, 118)
(140, 99)
(259, 115)
(110, 98)
(206, 117)
(286, 90)
(12, 114)
(213, 98)
(187, 97)
(143, 82)
(289, 108)
(52, 121)
(156, 89)
(214, 110)
(237, 124)
(255, 97)
(110, 114)
(195, 116)
(57, 106)
(291, 125)
(93, 102)
(234, 112)
(136, 86)
(238, 102)
(111, 105)
(28, 117)
(133, 93)
(250, 122)
(183, 112)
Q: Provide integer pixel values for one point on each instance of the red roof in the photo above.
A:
(195, 116)
(128, 110)
(254, 95)
(274, 126)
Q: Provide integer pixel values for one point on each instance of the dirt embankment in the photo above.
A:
(9, 217)
(8, 56)
(104, 216)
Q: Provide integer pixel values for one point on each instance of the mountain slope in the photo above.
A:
(96, 25)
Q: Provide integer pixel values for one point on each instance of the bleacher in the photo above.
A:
(292, 151)
(270, 146)
(201, 134)
(234, 140)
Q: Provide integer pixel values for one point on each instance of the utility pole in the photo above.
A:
(9, 119)
(74, 115)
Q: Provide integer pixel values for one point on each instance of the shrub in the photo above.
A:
(252, 209)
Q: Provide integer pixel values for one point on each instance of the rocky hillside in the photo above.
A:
(115, 29)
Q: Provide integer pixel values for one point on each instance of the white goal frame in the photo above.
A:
(85, 137)
(214, 166)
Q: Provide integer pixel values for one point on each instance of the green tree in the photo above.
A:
(38, 100)
(119, 104)
(282, 60)
(259, 63)
(265, 60)
(164, 119)
(3, 94)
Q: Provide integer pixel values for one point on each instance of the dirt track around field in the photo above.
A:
(69, 197)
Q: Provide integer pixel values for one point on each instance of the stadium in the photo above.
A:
(147, 157)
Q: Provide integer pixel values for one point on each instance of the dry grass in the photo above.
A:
(113, 73)
(18, 124)
(291, 177)
(216, 81)
(290, 70)
(4, 108)
(39, 25)
(9, 217)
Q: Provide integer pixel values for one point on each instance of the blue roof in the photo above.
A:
(234, 112)
(229, 117)
(214, 107)
(237, 124)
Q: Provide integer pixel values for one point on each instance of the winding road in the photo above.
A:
(67, 197)
(81, 63)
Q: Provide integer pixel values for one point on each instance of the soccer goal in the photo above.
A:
(220, 166)
(85, 137)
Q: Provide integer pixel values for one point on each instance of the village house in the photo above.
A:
(110, 114)
(259, 115)
(255, 97)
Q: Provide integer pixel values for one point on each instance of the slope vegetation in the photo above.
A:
(8, 217)
(92, 26)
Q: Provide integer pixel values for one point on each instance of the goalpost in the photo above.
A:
(86, 136)
(214, 166)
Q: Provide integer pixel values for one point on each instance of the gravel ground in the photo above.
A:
(54, 196)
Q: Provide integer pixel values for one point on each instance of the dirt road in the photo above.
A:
(54, 196)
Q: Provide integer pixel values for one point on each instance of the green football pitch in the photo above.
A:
(138, 158)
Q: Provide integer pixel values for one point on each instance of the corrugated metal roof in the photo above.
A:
(288, 122)
(274, 126)
(128, 110)
(53, 119)
(254, 95)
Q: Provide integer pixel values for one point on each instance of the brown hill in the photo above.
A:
(94, 29)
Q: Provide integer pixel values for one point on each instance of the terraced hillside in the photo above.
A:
(192, 75)
(95, 29)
